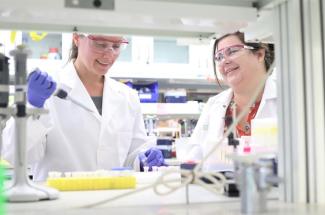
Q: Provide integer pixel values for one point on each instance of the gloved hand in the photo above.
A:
(152, 157)
(40, 87)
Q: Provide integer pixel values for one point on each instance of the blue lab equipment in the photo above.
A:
(148, 93)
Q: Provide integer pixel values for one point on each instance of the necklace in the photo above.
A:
(245, 129)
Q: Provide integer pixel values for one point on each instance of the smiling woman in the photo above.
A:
(93, 56)
(243, 67)
(106, 130)
(231, 46)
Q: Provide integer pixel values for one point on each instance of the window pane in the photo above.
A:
(167, 51)
(126, 54)
(43, 45)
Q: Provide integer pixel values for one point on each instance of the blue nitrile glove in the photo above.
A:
(40, 87)
(152, 157)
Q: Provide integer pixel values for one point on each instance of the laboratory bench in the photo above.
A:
(201, 202)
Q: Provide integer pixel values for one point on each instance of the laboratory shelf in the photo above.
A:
(172, 110)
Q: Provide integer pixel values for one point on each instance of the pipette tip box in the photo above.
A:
(80, 183)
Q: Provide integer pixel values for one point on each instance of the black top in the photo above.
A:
(98, 100)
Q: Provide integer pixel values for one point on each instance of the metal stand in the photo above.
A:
(3, 119)
(252, 196)
(254, 175)
(23, 189)
(255, 178)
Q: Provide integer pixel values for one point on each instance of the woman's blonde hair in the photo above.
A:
(73, 52)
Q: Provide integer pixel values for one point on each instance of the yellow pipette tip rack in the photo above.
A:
(92, 182)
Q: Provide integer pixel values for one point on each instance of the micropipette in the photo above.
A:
(62, 94)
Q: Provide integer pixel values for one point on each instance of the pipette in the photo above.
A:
(62, 94)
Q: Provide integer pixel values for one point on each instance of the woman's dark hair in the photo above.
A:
(269, 50)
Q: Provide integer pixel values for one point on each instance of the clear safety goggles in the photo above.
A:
(230, 52)
(102, 44)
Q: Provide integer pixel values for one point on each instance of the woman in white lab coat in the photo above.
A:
(105, 131)
(243, 66)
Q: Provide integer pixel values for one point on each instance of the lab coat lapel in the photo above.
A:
(71, 82)
(218, 112)
(112, 99)
(268, 95)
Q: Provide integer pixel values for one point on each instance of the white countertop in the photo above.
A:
(202, 202)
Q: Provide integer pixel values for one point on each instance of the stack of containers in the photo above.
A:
(175, 96)
(165, 144)
(148, 93)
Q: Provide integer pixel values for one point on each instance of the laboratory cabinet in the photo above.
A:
(165, 58)
(190, 109)
(156, 50)
(177, 51)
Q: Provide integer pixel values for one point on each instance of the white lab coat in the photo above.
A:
(210, 127)
(71, 138)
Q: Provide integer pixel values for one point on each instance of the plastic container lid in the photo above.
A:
(175, 92)
(53, 50)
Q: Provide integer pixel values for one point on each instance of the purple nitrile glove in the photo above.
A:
(40, 87)
(152, 157)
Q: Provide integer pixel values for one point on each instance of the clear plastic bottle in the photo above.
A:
(54, 54)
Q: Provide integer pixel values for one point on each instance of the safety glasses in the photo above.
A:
(102, 44)
(230, 52)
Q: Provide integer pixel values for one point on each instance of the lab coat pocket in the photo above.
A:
(124, 141)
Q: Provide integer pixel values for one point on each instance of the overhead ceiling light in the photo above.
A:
(198, 22)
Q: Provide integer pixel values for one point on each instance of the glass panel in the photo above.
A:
(126, 54)
(167, 51)
(44, 46)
